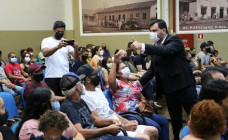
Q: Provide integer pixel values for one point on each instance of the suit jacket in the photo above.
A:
(170, 65)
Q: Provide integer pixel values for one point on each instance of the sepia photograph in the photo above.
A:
(116, 17)
(201, 16)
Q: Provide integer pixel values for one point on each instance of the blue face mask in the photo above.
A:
(56, 105)
(13, 60)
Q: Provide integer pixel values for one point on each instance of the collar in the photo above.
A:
(162, 40)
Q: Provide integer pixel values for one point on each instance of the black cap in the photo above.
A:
(70, 80)
(87, 70)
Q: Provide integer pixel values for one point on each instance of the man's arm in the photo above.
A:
(11, 76)
(91, 133)
(50, 51)
(100, 122)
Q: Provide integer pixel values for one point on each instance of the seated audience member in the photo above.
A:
(5, 131)
(7, 86)
(204, 55)
(25, 62)
(37, 76)
(140, 61)
(2, 61)
(106, 51)
(52, 124)
(104, 70)
(126, 95)
(97, 56)
(33, 57)
(39, 101)
(107, 63)
(73, 64)
(22, 51)
(97, 102)
(128, 61)
(84, 56)
(41, 57)
(211, 73)
(207, 121)
(89, 124)
(217, 90)
(14, 72)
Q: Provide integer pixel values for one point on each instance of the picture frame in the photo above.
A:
(201, 16)
(119, 17)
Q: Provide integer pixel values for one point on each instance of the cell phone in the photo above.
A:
(69, 42)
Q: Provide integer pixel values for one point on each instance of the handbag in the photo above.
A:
(148, 110)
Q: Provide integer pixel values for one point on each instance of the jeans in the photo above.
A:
(158, 121)
(13, 92)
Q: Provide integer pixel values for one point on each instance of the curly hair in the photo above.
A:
(53, 119)
(207, 119)
(37, 104)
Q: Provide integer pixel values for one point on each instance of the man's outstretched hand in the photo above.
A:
(136, 45)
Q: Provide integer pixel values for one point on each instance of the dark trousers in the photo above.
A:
(54, 85)
(185, 98)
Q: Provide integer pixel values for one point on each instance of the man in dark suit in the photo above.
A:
(173, 75)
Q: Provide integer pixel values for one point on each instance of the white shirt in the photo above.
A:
(205, 58)
(97, 101)
(57, 64)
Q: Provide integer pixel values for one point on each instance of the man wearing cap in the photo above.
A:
(35, 72)
(85, 121)
(204, 55)
(97, 102)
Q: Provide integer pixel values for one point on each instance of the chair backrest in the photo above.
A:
(15, 126)
(101, 80)
(107, 94)
(10, 104)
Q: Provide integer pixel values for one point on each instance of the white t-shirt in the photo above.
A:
(57, 64)
(205, 58)
(97, 101)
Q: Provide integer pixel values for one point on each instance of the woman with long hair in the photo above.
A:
(25, 61)
(39, 101)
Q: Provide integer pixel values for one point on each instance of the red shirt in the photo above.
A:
(15, 69)
(30, 85)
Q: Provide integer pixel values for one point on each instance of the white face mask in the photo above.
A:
(13, 60)
(126, 72)
(101, 53)
(27, 59)
(109, 65)
(154, 37)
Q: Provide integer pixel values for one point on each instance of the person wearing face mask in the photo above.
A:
(204, 55)
(14, 72)
(88, 123)
(84, 56)
(106, 51)
(97, 102)
(5, 131)
(97, 56)
(174, 77)
(32, 56)
(126, 95)
(36, 73)
(26, 61)
(39, 101)
(56, 52)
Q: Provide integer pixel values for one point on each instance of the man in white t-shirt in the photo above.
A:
(56, 52)
(204, 55)
(97, 102)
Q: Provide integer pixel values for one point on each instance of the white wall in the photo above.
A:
(35, 14)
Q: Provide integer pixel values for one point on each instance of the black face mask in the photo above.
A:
(3, 118)
(59, 35)
(104, 48)
(38, 77)
(193, 55)
(95, 81)
(84, 57)
(208, 50)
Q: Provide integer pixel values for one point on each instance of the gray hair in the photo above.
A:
(69, 92)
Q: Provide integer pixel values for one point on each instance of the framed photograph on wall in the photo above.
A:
(117, 17)
(201, 16)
